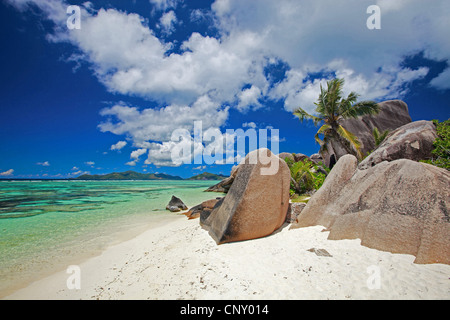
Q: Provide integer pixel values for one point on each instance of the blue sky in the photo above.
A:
(108, 96)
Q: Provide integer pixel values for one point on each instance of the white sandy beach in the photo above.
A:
(179, 260)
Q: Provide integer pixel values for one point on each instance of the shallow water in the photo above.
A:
(45, 225)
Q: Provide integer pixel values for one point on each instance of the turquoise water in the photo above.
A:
(45, 225)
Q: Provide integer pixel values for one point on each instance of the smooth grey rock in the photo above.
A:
(412, 141)
(175, 204)
(400, 206)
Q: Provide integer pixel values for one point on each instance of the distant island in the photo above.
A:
(208, 176)
(132, 175)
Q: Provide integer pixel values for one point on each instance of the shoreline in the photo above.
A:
(179, 260)
(79, 258)
(40, 245)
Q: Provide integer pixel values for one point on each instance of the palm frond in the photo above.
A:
(303, 115)
(362, 108)
(351, 138)
(322, 103)
(334, 94)
(302, 175)
(323, 130)
(346, 107)
(379, 137)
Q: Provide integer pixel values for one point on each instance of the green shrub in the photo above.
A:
(319, 180)
(305, 176)
(378, 136)
(441, 152)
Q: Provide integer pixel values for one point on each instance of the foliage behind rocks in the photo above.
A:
(441, 152)
(306, 176)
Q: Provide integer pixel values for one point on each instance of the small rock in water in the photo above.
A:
(175, 205)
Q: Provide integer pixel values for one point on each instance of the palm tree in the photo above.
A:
(302, 175)
(331, 109)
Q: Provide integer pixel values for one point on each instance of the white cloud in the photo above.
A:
(144, 126)
(249, 125)
(79, 173)
(119, 145)
(310, 35)
(44, 164)
(442, 82)
(7, 173)
(168, 21)
(88, 5)
(160, 154)
(158, 124)
(137, 153)
(129, 59)
(201, 15)
(90, 163)
(249, 98)
(186, 150)
(296, 93)
(165, 4)
(221, 7)
(392, 83)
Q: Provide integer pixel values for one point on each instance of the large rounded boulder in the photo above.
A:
(257, 202)
(412, 141)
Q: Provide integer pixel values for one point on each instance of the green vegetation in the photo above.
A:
(331, 109)
(305, 176)
(441, 152)
(379, 137)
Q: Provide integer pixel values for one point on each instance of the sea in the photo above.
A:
(45, 226)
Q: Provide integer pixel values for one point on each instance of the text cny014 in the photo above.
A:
(230, 309)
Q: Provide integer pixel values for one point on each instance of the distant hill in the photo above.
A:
(208, 176)
(129, 175)
(132, 175)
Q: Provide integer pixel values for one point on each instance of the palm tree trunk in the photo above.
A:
(340, 146)
(296, 185)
